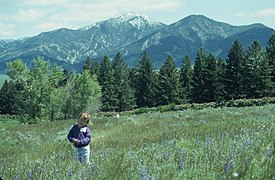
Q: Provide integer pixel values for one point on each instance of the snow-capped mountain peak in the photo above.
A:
(131, 15)
(130, 34)
(136, 20)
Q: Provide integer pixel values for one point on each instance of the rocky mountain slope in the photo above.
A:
(187, 35)
(131, 34)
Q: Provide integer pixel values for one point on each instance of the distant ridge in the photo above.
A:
(131, 34)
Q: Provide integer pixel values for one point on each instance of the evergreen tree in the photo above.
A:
(20, 99)
(106, 80)
(133, 78)
(146, 83)
(251, 77)
(186, 75)
(199, 88)
(124, 93)
(7, 98)
(210, 79)
(259, 71)
(270, 51)
(87, 64)
(95, 67)
(233, 75)
(67, 78)
(220, 91)
(248, 77)
(263, 71)
(168, 88)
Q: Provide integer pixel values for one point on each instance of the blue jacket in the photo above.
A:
(82, 134)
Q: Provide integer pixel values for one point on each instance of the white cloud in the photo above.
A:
(44, 2)
(27, 15)
(86, 12)
(241, 14)
(48, 26)
(81, 12)
(258, 14)
(265, 13)
(46, 15)
(148, 5)
(6, 30)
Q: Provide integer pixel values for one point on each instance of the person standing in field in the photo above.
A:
(81, 137)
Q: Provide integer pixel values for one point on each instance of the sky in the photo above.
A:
(27, 18)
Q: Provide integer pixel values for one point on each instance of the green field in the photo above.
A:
(210, 143)
(3, 77)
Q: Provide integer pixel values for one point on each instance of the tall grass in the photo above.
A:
(210, 143)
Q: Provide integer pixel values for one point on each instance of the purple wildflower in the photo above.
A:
(175, 143)
(29, 175)
(246, 160)
(70, 173)
(181, 164)
(165, 143)
(16, 177)
(227, 167)
(143, 171)
(220, 152)
(165, 155)
(269, 153)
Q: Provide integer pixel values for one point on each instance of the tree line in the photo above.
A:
(46, 91)
(244, 74)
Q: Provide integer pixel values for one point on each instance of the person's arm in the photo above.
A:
(86, 140)
(70, 135)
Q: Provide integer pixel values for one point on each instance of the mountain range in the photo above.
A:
(131, 34)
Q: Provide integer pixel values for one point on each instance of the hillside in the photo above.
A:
(208, 143)
(187, 35)
(131, 34)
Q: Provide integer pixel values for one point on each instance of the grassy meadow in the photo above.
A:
(209, 143)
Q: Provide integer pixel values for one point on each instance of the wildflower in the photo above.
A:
(29, 175)
(175, 143)
(269, 153)
(197, 142)
(227, 167)
(71, 173)
(16, 177)
(220, 152)
(235, 174)
(181, 164)
(143, 172)
(246, 160)
(249, 142)
(165, 155)
(165, 143)
(90, 172)
(82, 174)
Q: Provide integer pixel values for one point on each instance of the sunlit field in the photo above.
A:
(210, 143)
